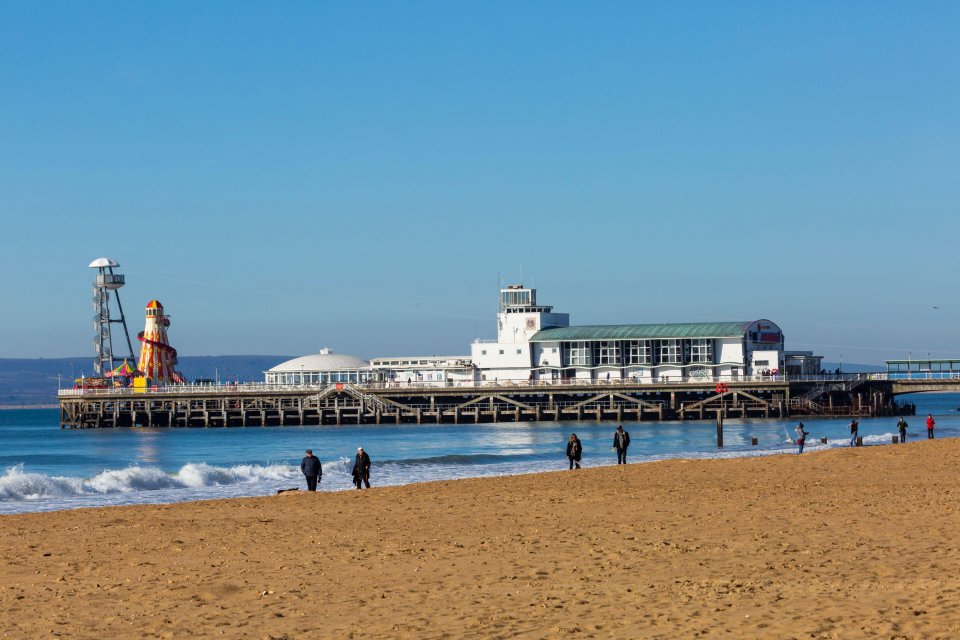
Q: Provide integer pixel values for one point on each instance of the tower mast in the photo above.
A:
(106, 281)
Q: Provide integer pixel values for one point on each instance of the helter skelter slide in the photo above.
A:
(158, 359)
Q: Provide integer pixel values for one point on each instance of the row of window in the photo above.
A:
(627, 352)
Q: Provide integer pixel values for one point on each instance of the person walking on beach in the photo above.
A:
(854, 427)
(311, 468)
(801, 437)
(930, 424)
(361, 469)
(621, 440)
(574, 450)
(902, 428)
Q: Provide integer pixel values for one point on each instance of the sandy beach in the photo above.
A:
(847, 543)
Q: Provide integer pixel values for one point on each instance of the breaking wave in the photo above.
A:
(17, 484)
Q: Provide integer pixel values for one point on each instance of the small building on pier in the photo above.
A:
(321, 368)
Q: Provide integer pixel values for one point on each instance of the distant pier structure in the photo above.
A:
(106, 285)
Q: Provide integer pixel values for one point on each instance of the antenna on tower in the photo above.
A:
(105, 282)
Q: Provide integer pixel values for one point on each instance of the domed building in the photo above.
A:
(320, 368)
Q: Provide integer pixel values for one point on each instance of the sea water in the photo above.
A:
(47, 468)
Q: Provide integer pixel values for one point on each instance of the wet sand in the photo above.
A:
(848, 543)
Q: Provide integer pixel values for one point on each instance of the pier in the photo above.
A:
(243, 405)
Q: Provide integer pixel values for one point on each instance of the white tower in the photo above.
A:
(511, 355)
(105, 282)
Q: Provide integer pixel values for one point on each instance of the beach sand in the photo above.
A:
(847, 543)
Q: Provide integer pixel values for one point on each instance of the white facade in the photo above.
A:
(534, 343)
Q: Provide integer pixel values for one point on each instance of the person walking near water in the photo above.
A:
(801, 437)
(312, 470)
(854, 427)
(621, 440)
(574, 450)
(902, 428)
(361, 469)
(930, 424)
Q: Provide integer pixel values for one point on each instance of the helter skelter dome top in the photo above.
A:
(154, 304)
(99, 263)
(326, 360)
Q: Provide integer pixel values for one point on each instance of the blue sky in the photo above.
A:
(289, 176)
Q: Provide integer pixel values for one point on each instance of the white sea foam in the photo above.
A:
(18, 484)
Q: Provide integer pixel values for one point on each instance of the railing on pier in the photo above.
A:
(418, 385)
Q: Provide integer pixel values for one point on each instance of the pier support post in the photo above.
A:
(719, 430)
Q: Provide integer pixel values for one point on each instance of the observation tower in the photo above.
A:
(105, 282)
(158, 359)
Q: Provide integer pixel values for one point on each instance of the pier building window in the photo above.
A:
(639, 352)
(669, 352)
(576, 353)
(701, 350)
(608, 352)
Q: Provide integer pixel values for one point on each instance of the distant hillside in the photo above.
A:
(34, 381)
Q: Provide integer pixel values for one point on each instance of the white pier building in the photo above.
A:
(534, 343)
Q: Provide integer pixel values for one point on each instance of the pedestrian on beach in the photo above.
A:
(854, 427)
(574, 451)
(801, 437)
(312, 469)
(930, 424)
(902, 428)
(361, 469)
(621, 440)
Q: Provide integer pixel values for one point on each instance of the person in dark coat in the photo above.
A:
(621, 440)
(574, 450)
(361, 469)
(312, 469)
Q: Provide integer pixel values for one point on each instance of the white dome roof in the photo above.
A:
(326, 360)
(103, 262)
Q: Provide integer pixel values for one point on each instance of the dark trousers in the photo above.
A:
(622, 456)
(903, 437)
(312, 482)
(573, 461)
(362, 479)
(930, 434)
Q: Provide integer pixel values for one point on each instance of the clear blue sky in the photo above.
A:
(289, 176)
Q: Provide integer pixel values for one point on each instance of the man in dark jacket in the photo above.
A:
(574, 450)
(621, 440)
(312, 469)
(361, 469)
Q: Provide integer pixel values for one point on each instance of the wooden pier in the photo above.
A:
(336, 404)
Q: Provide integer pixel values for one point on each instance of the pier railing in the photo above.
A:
(419, 385)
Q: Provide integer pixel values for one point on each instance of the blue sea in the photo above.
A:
(47, 468)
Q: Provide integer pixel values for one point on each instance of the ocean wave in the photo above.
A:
(19, 484)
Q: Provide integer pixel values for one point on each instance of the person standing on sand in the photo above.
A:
(312, 469)
(361, 469)
(930, 424)
(801, 437)
(574, 450)
(854, 427)
(902, 428)
(621, 440)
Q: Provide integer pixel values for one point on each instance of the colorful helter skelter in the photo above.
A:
(158, 359)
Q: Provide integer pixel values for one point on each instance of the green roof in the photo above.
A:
(643, 331)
